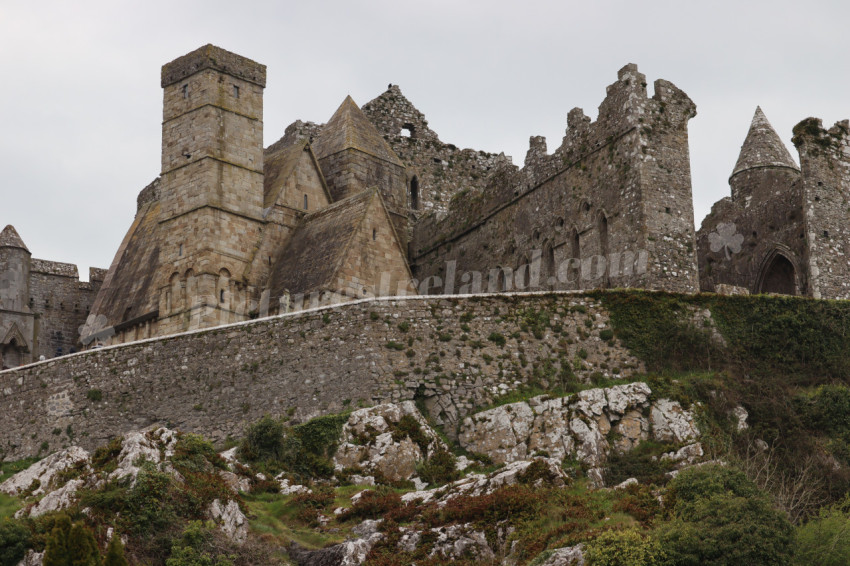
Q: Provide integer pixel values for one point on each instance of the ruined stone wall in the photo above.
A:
(436, 171)
(825, 166)
(615, 198)
(742, 234)
(62, 302)
(453, 353)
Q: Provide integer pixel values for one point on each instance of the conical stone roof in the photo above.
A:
(349, 128)
(9, 238)
(763, 147)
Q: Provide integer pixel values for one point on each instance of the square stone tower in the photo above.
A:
(211, 193)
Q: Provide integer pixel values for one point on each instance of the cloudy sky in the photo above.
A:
(80, 101)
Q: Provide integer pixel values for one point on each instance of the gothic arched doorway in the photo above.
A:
(778, 276)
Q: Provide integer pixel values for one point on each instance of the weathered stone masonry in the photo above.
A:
(453, 353)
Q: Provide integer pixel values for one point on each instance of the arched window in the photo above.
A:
(305, 203)
(414, 193)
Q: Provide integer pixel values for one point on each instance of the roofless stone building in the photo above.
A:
(374, 203)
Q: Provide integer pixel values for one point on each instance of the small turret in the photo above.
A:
(762, 154)
(14, 271)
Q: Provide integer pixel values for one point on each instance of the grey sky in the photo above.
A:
(80, 102)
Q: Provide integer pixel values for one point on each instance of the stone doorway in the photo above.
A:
(779, 276)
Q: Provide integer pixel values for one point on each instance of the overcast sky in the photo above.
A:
(81, 105)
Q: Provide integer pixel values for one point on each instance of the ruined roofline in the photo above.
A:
(47, 267)
(212, 57)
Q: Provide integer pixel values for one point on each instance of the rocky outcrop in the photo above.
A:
(569, 556)
(38, 478)
(586, 426)
(671, 423)
(386, 440)
(349, 553)
(576, 425)
(481, 484)
(230, 519)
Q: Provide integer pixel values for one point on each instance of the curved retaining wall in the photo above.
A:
(454, 353)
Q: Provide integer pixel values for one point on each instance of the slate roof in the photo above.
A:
(349, 128)
(763, 147)
(9, 238)
(311, 258)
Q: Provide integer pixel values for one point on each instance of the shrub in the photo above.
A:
(94, 395)
(373, 504)
(825, 539)
(69, 545)
(196, 548)
(497, 338)
(194, 453)
(14, 542)
(263, 441)
(105, 458)
(441, 467)
(623, 548)
(115, 553)
(721, 517)
(408, 426)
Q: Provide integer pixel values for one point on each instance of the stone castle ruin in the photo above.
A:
(373, 203)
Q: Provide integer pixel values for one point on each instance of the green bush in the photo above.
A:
(623, 548)
(441, 467)
(264, 441)
(71, 545)
(196, 548)
(115, 553)
(194, 453)
(14, 542)
(825, 539)
(722, 518)
(497, 338)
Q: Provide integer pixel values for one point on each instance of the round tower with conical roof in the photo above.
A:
(764, 164)
(14, 271)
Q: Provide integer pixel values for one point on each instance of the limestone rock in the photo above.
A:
(591, 446)
(622, 398)
(349, 553)
(479, 484)
(235, 482)
(633, 428)
(136, 448)
(367, 442)
(456, 541)
(740, 415)
(672, 423)
(231, 520)
(568, 556)
(44, 471)
(500, 433)
(687, 455)
(56, 500)
(32, 558)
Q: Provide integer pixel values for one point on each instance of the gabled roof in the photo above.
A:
(9, 238)
(312, 257)
(349, 128)
(279, 163)
(763, 147)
